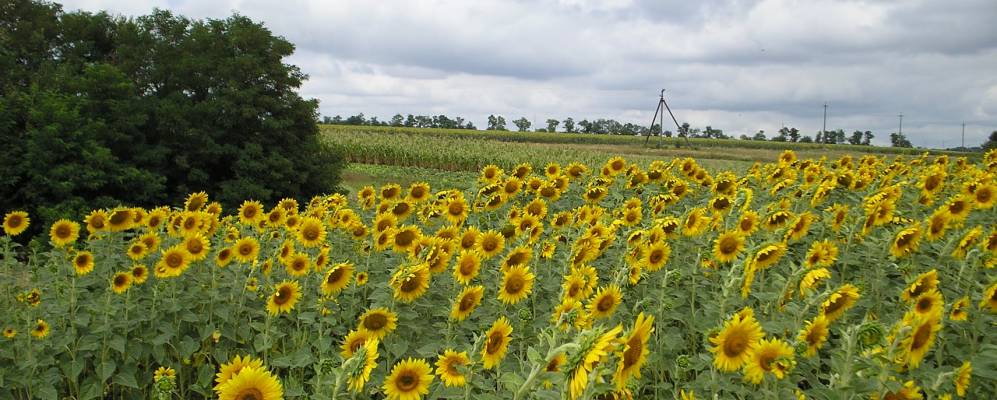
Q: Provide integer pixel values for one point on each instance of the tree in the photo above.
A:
(856, 138)
(899, 140)
(794, 135)
(397, 120)
(867, 138)
(586, 126)
(569, 125)
(991, 142)
(806, 139)
(522, 124)
(100, 111)
(781, 137)
(552, 125)
(760, 135)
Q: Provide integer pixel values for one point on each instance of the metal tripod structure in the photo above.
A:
(659, 114)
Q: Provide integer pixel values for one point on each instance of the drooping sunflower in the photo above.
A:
(768, 256)
(814, 334)
(41, 329)
(251, 383)
(732, 346)
(15, 222)
(962, 377)
(64, 232)
(517, 284)
(285, 296)
(250, 212)
(490, 243)
(358, 377)
(224, 257)
(604, 302)
(336, 278)
(497, 343)
(121, 281)
(466, 302)
(839, 302)
(520, 255)
(906, 241)
(230, 369)
(467, 267)
(379, 322)
(593, 349)
(448, 367)
(968, 240)
(773, 356)
(920, 337)
(409, 380)
(634, 351)
(83, 262)
(989, 300)
(924, 283)
(727, 246)
(353, 341)
(247, 249)
(311, 232)
(811, 279)
(120, 219)
(839, 214)
(410, 282)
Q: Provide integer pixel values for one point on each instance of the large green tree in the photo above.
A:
(100, 111)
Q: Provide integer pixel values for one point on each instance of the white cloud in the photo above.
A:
(740, 66)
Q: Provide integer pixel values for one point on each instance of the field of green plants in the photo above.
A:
(577, 275)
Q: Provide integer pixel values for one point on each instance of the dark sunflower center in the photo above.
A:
(921, 336)
(310, 232)
(456, 208)
(375, 322)
(814, 335)
(489, 244)
(189, 223)
(467, 267)
(494, 342)
(249, 394)
(655, 256)
(408, 381)
(246, 249)
(924, 305)
(404, 238)
(466, 302)
(282, 296)
(605, 303)
(120, 280)
(62, 231)
(249, 212)
(835, 305)
(515, 284)
(735, 344)
(174, 260)
(983, 196)
(411, 284)
(335, 276)
(728, 245)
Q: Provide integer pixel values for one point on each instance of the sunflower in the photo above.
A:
(727, 246)
(336, 278)
(839, 213)
(276, 217)
(409, 380)
(497, 343)
(466, 302)
(968, 240)
(250, 212)
(41, 329)
(9, 333)
(64, 232)
(298, 265)
(814, 334)
(748, 222)
(768, 256)
(989, 300)
(311, 232)
(962, 377)
(410, 282)
(733, 345)
(96, 221)
(634, 351)
(656, 255)
(924, 283)
(985, 196)
(959, 207)
(456, 210)
(517, 284)
(120, 220)
(174, 261)
(448, 367)
(604, 302)
(921, 336)
(235, 365)
(490, 243)
(839, 302)
(247, 249)
(960, 309)
(284, 297)
(139, 274)
(467, 267)
(154, 220)
(696, 222)
(367, 196)
(83, 262)
(906, 241)
(15, 222)
(822, 253)
(224, 257)
(251, 383)
(136, 251)
(936, 224)
(811, 279)
(379, 322)
(359, 376)
(929, 304)
(909, 391)
(121, 282)
(773, 356)
(405, 238)
(593, 349)
(361, 278)
(353, 341)
(197, 246)
(390, 192)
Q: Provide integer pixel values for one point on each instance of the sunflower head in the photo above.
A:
(15, 222)
(409, 379)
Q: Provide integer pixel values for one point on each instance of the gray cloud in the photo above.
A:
(738, 65)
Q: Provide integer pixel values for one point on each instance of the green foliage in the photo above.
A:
(99, 111)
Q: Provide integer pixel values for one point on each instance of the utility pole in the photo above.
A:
(823, 130)
(963, 135)
(901, 129)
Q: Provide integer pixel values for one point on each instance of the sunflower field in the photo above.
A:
(854, 278)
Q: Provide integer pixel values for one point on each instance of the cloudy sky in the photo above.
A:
(741, 66)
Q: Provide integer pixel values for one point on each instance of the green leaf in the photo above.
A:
(124, 378)
(107, 369)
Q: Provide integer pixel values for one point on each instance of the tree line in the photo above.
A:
(604, 126)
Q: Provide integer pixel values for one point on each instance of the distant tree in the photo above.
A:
(855, 138)
(496, 123)
(585, 125)
(356, 120)
(337, 120)
(760, 135)
(552, 125)
(867, 138)
(684, 130)
(820, 137)
(806, 139)
(781, 137)
(654, 130)
(711, 133)
(522, 124)
(744, 137)
(899, 140)
(794, 134)
(569, 125)
(410, 121)
(397, 120)
(991, 142)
